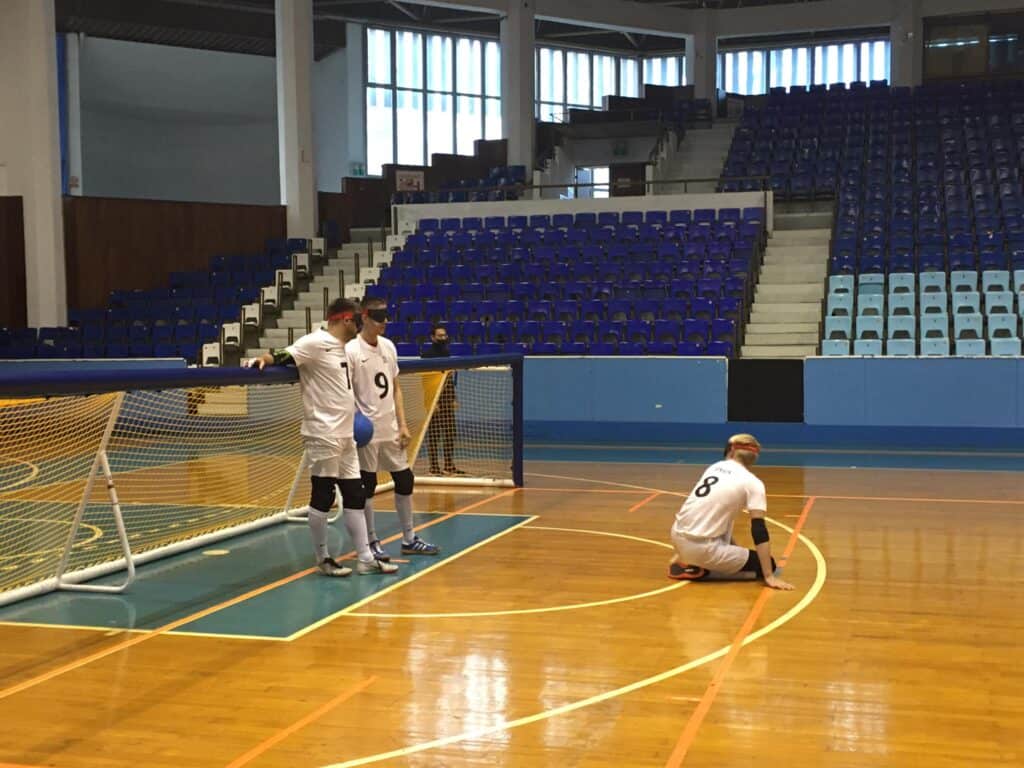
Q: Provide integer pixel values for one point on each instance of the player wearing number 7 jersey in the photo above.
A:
(379, 395)
(702, 531)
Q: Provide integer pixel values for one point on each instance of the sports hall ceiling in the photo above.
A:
(247, 26)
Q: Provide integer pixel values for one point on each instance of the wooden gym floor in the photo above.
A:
(549, 636)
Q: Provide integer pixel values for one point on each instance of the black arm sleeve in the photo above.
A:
(281, 357)
(758, 530)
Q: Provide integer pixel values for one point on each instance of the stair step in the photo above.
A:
(779, 273)
(785, 313)
(775, 292)
(798, 236)
(784, 351)
(755, 338)
(780, 328)
(790, 221)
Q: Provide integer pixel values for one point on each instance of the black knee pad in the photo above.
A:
(369, 483)
(404, 481)
(322, 495)
(352, 494)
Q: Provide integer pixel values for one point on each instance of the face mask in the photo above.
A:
(378, 315)
(441, 345)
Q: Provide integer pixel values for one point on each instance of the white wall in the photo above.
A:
(330, 121)
(178, 124)
(584, 153)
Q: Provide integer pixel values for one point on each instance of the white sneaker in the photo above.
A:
(331, 567)
(375, 566)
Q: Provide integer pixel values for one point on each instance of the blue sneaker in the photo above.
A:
(378, 552)
(419, 547)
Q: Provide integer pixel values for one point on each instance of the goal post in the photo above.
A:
(103, 471)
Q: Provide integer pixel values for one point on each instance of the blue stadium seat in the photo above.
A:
(970, 347)
(998, 302)
(968, 325)
(835, 347)
(1003, 326)
(900, 347)
(935, 347)
(933, 303)
(869, 327)
(1005, 347)
(867, 347)
(966, 302)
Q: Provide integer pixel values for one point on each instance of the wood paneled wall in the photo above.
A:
(115, 243)
(12, 263)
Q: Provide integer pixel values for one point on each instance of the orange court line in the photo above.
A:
(18, 765)
(585, 490)
(686, 738)
(301, 723)
(141, 638)
(942, 500)
(639, 504)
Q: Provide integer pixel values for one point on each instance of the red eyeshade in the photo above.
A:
(340, 316)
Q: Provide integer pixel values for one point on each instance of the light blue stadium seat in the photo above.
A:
(901, 327)
(934, 326)
(1003, 326)
(870, 304)
(1006, 347)
(970, 347)
(998, 302)
(832, 347)
(870, 278)
(902, 304)
(840, 284)
(866, 289)
(967, 326)
(869, 327)
(1018, 280)
(966, 301)
(840, 304)
(900, 348)
(867, 347)
(931, 282)
(995, 280)
(933, 303)
(902, 282)
(935, 348)
(838, 327)
(963, 280)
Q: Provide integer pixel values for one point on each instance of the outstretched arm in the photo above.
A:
(759, 532)
(274, 357)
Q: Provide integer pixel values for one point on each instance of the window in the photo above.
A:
(665, 70)
(598, 177)
(428, 94)
(752, 71)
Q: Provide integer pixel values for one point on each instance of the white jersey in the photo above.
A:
(325, 377)
(724, 490)
(375, 371)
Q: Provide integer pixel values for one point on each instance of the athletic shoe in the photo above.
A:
(453, 471)
(375, 566)
(683, 572)
(378, 551)
(331, 567)
(419, 547)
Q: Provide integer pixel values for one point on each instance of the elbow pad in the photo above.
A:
(759, 530)
(281, 356)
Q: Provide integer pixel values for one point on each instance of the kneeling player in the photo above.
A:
(702, 530)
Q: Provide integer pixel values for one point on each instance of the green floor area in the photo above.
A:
(180, 586)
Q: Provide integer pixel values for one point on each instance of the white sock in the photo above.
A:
(403, 504)
(355, 524)
(371, 529)
(318, 528)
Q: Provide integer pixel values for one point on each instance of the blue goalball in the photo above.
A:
(362, 429)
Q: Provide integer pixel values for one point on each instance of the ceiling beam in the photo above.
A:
(399, 7)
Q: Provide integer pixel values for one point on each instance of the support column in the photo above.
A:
(30, 150)
(702, 56)
(355, 90)
(74, 58)
(517, 77)
(906, 35)
(294, 38)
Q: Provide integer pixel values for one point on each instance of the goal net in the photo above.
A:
(98, 476)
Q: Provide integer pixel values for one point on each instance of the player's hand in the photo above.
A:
(404, 438)
(258, 363)
(777, 583)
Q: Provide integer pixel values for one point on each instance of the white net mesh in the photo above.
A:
(188, 463)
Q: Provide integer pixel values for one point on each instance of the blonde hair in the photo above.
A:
(744, 447)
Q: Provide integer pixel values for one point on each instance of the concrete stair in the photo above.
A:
(290, 323)
(785, 317)
(701, 155)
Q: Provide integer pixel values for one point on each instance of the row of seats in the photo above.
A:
(22, 350)
(931, 347)
(586, 220)
(905, 282)
(991, 303)
(466, 190)
(972, 325)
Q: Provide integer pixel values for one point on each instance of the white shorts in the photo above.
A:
(332, 458)
(719, 555)
(385, 456)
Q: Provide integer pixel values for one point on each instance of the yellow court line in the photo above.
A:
(88, 628)
(646, 488)
(549, 609)
(483, 733)
(398, 585)
(33, 474)
(718, 447)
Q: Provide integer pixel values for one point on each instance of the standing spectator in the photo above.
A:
(442, 425)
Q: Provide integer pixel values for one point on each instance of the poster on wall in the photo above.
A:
(409, 181)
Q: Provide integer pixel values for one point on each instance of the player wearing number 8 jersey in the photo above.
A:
(379, 395)
(702, 531)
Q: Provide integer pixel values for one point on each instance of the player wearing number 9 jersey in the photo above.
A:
(379, 395)
(702, 531)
